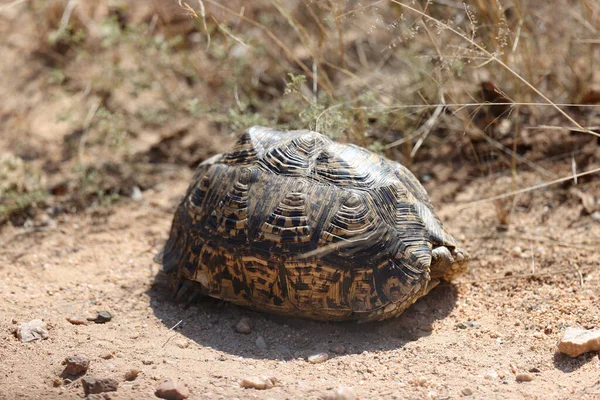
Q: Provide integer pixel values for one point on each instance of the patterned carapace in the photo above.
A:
(297, 224)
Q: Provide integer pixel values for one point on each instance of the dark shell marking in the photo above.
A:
(293, 223)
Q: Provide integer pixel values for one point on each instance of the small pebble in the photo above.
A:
(421, 381)
(260, 343)
(517, 251)
(467, 392)
(101, 318)
(243, 326)
(75, 365)
(32, 330)
(338, 348)
(258, 382)
(538, 335)
(318, 358)
(524, 377)
(491, 375)
(76, 320)
(136, 194)
(342, 393)
(147, 361)
(132, 374)
(461, 325)
(93, 385)
(171, 390)
(576, 341)
(182, 343)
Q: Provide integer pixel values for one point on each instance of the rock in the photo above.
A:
(101, 318)
(318, 358)
(76, 320)
(93, 385)
(258, 382)
(136, 194)
(338, 348)
(342, 393)
(524, 377)
(260, 343)
(491, 375)
(32, 330)
(517, 251)
(172, 390)
(467, 392)
(75, 365)
(182, 343)
(132, 374)
(461, 325)
(243, 326)
(576, 341)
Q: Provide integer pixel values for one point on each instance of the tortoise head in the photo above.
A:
(448, 262)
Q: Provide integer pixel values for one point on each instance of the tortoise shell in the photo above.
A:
(294, 223)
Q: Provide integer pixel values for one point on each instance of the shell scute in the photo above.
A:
(294, 223)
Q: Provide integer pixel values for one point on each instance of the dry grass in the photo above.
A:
(412, 79)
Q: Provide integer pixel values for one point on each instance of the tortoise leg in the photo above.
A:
(441, 262)
(431, 284)
(448, 263)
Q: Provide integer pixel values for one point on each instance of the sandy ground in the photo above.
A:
(501, 319)
(525, 286)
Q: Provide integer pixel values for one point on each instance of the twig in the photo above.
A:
(64, 21)
(528, 189)
(426, 128)
(86, 124)
(230, 34)
(510, 277)
(11, 5)
(172, 336)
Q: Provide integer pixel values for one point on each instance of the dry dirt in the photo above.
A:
(503, 318)
(525, 285)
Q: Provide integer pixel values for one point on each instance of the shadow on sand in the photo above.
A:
(211, 322)
(567, 364)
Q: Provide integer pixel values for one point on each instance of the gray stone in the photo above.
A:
(260, 343)
(32, 330)
(93, 385)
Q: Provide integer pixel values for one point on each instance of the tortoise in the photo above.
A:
(294, 223)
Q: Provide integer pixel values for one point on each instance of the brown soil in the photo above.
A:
(73, 255)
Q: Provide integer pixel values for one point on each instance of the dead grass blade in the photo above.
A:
(493, 57)
(527, 189)
(557, 271)
(289, 53)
